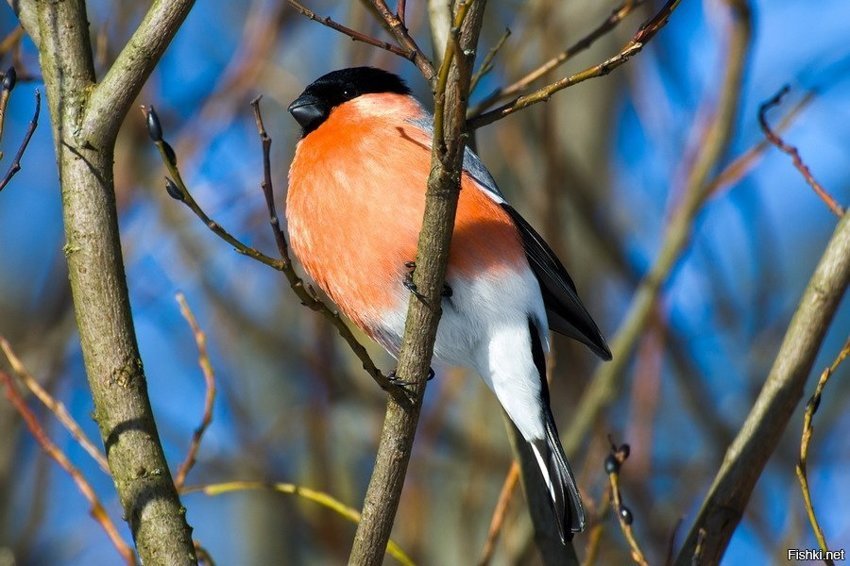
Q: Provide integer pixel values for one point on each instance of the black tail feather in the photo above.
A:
(560, 483)
(557, 475)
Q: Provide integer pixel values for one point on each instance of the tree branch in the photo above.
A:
(697, 189)
(111, 99)
(16, 162)
(746, 457)
(352, 33)
(399, 30)
(617, 15)
(794, 153)
(635, 45)
(450, 94)
(98, 282)
(805, 440)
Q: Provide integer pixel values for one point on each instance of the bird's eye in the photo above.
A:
(348, 93)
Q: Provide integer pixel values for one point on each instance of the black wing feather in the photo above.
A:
(567, 315)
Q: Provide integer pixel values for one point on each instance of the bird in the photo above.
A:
(354, 209)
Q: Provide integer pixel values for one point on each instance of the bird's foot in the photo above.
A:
(411, 286)
(404, 383)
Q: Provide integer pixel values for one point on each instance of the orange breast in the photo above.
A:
(355, 204)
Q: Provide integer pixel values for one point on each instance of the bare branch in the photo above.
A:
(613, 463)
(499, 514)
(773, 138)
(487, 63)
(635, 45)
(423, 315)
(696, 190)
(802, 475)
(96, 267)
(54, 406)
(97, 511)
(209, 397)
(399, 30)
(352, 33)
(759, 435)
(16, 162)
(177, 188)
(617, 15)
(112, 97)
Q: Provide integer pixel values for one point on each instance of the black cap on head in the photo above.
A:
(328, 91)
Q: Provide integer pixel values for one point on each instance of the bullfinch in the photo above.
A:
(354, 210)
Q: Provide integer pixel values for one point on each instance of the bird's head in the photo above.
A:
(318, 100)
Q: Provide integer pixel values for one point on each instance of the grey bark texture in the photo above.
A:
(85, 119)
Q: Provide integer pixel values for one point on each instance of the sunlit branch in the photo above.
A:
(97, 511)
(808, 429)
(635, 45)
(209, 397)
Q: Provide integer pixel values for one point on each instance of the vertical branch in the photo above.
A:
(95, 263)
(450, 95)
(802, 464)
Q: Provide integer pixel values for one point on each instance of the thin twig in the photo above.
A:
(617, 15)
(54, 406)
(499, 514)
(322, 498)
(209, 397)
(836, 208)
(808, 429)
(399, 30)
(597, 528)
(739, 167)
(16, 163)
(97, 511)
(177, 188)
(487, 63)
(635, 45)
(613, 463)
(353, 34)
(605, 382)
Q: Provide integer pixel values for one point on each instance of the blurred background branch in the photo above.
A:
(782, 390)
(601, 170)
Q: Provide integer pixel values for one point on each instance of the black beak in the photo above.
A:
(309, 112)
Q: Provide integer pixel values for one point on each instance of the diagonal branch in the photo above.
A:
(697, 189)
(617, 15)
(111, 99)
(16, 162)
(759, 435)
(789, 149)
(355, 35)
(98, 513)
(635, 45)
(396, 25)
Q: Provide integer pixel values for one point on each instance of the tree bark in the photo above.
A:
(423, 316)
(95, 262)
(759, 436)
